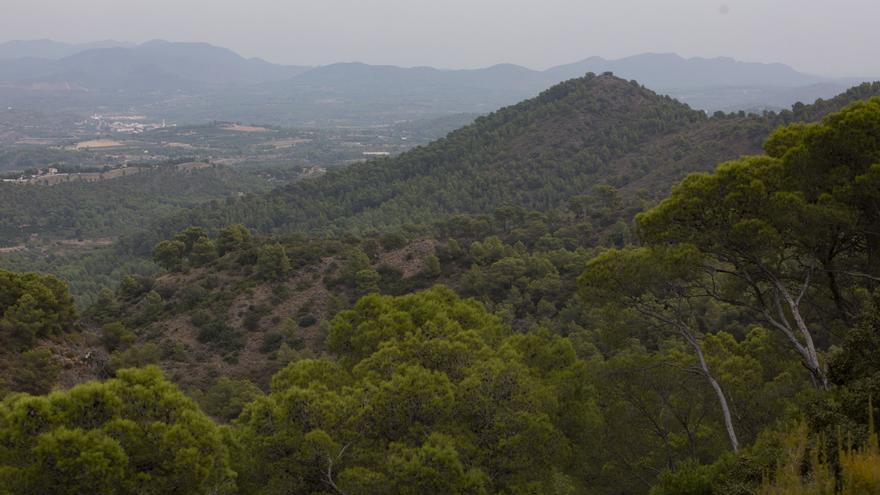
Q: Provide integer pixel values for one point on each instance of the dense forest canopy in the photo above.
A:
(523, 340)
(428, 393)
(110, 208)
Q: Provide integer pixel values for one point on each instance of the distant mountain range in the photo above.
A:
(165, 64)
(225, 85)
(53, 49)
(670, 71)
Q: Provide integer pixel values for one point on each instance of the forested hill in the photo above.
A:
(732, 350)
(583, 133)
(533, 154)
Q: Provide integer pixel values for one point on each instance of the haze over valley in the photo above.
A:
(197, 82)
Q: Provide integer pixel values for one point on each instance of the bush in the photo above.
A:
(307, 321)
(32, 372)
(280, 293)
(221, 336)
(285, 336)
(251, 320)
(136, 356)
(115, 336)
(393, 241)
(191, 296)
(200, 318)
(271, 342)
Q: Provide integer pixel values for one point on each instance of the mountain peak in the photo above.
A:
(549, 146)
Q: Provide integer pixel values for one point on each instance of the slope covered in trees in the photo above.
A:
(787, 242)
(726, 344)
(537, 154)
(109, 208)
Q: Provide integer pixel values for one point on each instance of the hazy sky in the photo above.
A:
(834, 37)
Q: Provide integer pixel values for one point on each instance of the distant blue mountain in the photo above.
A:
(656, 71)
(234, 86)
(52, 49)
(113, 66)
(663, 71)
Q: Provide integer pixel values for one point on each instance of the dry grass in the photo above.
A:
(84, 243)
(51, 180)
(97, 143)
(12, 249)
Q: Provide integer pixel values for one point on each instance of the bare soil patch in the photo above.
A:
(244, 128)
(53, 179)
(84, 243)
(411, 258)
(12, 249)
(97, 143)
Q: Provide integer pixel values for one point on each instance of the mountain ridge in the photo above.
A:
(51, 49)
(711, 84)
(26, 48)
(655, 70)
(192, 63)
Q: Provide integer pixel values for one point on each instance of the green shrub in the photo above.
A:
(115, 336)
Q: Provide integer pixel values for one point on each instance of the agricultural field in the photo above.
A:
(30, 142)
